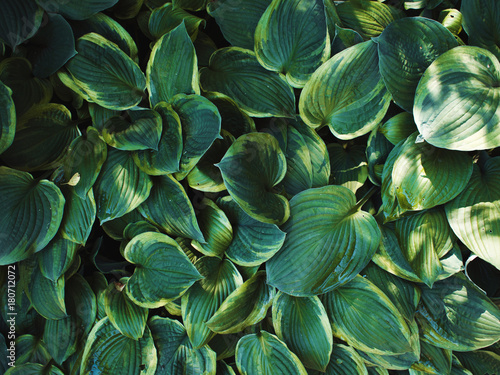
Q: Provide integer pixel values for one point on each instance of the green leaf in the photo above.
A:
(7, 118)
(302, 324)
(349, 166)
(81, 302)
(204, 298)
(292, 38)
(79, 216)
(237, 22)
(127, 9)
(398, 127)
(41, 138)
(142, 132)
(175, 50)
(344, 38)
(168, 17)
(204, 46)
(480, 361)
(52, 46)
(377, 151)
(252, 166)
(60, 337)
(406, 48)
(194, 5)
(34, 369)
(176, 354)
(368, 18)
(344, 360)
(124, 314)
(382, 331)
(245, 306)
(85, 156)
(329, 240)
(32, 211)
(474, 215)
(166, 158)
(253, 242)
(201, 125)
(19, 21)
(346, 93)
(56, 258)
(263, 350)
(168, 207)
(47, 296)
(163, 272)
(433, 360)
(456, 315)
(106, 74)
(114, 228)
(31, 349)
(457, 102)
(237, 73)
(107, 351)
(479, 20)
(76, 10)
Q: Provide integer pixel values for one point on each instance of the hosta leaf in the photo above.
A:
(216, 229)
(27, 90)
(333, 96)
(201, 125)
(114, 228)
(123, 313)
(176, 355)
(263, 350)
(253, 242)
(457, 102)
(47, 296)
(76, 10)
(204, 46)
(474, 215)
(480, 361)
(107, 75)
(252, 166)
(433, 360)
(81, 302)
(224, 369)
(344, 360)
(194, 5)
(52, 46)
(20, 20)
(56, 258)
(108, 352)
(168, 207)
(167, 17)
(479, 20)
(67, 339)
(175, 51)
(451, 19)
(406, 48)
(79, 216)
(456, 315)
(383, 331)
(166, 158)
(31, 349)
(344, 38)
(163, 272)
(245, 306)
(121, 186)
(302, 323)
(142, 132)
(127, 9)
(204, 298)
(238, 21)
(348, 164)
(368, 18)
(86, 155)
(329, 240)
(398, 127)
(377, 151)
(237, 73)
(41, 139)
(34, 369)
(32, 211)
(291, 38)
(7, 118)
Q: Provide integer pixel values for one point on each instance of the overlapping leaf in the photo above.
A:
(168, 17)
(349, 166)
(20, 21)
(76, 10)
(7, 118)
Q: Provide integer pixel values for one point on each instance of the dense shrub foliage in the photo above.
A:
(250, 186)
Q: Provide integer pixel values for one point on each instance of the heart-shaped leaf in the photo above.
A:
(7, 118)
(329, 240)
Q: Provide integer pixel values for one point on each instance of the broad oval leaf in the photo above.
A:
(377, 151)
(79, 216)
(433, 360)
(480, 361)
(67, 338)
(106, 74)
(7, 118)
(108, 352)
(406, 48)
(172, 67)
(76, 10)
(457, 102)
(245, 306)
(329, 240)
(292, 38)
(20, 20)
(382, 331)
(474, 215)
(252, 166)
(398, 127)
(346, 93)
(32, 211)
(56, 258)
(456, 315)
(47, 296)
(163, 272)
(121, 186)
(302, 323)
(204, 298)
(344, 360)
(167, 17)
(263, 350)
(237, 73)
